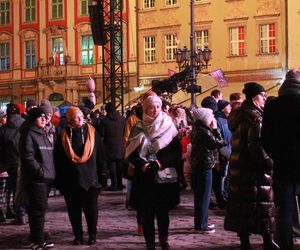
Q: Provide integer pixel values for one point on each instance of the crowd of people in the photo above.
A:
(243, 151)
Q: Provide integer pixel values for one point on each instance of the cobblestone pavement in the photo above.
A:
(117, 228)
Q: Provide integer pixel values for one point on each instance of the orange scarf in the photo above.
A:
(88, 147)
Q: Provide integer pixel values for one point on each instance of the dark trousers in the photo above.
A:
(201, 184)
(78, 199)
(285, 194)
(163, 221)
(115, 172)
(37, 205)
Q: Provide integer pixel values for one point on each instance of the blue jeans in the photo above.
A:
(285, 194)
(201, 184)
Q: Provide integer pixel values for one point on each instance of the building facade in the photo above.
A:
(47, 51)
(251, 40)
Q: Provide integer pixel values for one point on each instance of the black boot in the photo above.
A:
(269, 243)
(245, 243)
(163, 240)
(92, 239)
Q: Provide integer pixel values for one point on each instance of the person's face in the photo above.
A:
(103, 112)
(260, 99)
(3, 120)
(154, 109)
(48, 117)
(77, 120)
(227, 110)
(40, 122)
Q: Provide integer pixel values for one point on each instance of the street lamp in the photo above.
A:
(195, 60)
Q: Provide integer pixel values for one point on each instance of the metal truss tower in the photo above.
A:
(112, 54)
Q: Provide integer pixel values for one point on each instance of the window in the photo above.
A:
(4, 12)
(85, 7)
(57, 9)
(267, 38)
(148, 4)
(170, 2)
(29, 11)
(237, 41)
(201, 39)
(171, 47)
(58, 51)
(87, 50)
(30, 55)
(4, 56)
(149, 48)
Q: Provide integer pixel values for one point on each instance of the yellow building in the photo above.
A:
(47, 50)
(248, 39)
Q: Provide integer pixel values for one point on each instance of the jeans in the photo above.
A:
(201, 184)
(285, 195)
(37, 205)
(115, 172)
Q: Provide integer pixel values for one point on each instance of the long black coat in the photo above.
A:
(68, 174)
(145, 192)
(112, 131)
(250, 207)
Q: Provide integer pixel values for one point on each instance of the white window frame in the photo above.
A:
(201, 38)
(170, 2)
(5, 61)
(58, 47)
(57, 9)
(149, 49)
(234, 41)
(264, 38)
(30, 53)
(30, 6)
(89, 51)
(149, 4)
(85, 8)
(4, 12)
(170, 47)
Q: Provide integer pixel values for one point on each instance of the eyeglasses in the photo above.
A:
(263, 95)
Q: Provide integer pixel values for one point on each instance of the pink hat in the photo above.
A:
(150, 100)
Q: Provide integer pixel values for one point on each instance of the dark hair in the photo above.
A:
(235, 96)
(215, 93)
(293, 74)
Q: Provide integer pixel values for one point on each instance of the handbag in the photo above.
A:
(167, 175)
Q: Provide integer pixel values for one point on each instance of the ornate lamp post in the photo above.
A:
(195, 60)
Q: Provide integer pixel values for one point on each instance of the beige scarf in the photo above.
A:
(88, 146)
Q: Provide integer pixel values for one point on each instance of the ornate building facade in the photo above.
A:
(47, 50)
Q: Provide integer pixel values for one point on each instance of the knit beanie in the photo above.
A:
(222, 104)
(150, 100)
(202, 114)
(72, 111)
(210, 102)
(109, 107)
(252, 89)
(12, 109)
(46, 106)
(35, 113)
(30, 103)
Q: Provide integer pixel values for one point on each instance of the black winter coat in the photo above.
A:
(205, 142)
(36, 152)
(9, 138)
(250, 207)
(145, 192)
(68, 174)
(112, 131)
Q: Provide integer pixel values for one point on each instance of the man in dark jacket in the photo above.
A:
(280, 138)
(37, 173)
(112, 131)
(9, 137)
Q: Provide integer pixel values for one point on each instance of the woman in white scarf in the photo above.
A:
(154, 145)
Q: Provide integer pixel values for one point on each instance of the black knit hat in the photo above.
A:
(109, 107)
(12, 109)
(222, 104)
(30, 103)
(35, 113)
(209, 102)
(252, 89)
